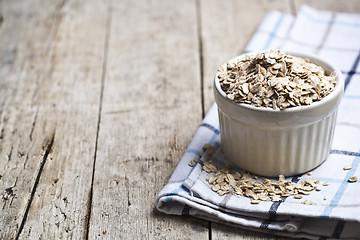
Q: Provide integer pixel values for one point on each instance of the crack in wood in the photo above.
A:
(48, 147)
(1, 19)
(127, 186)
(33, 125)
(8, 194)
(49, 46)
(10, 153)
(2, 132)
(104, 67)
(201, 57)
(292, 7)
(26, 160)
(201, 62)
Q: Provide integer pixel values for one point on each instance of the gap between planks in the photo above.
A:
(292, 7)
(48, 146)
(103, 74)
(201, 66)
(50, 141)
(201, 58)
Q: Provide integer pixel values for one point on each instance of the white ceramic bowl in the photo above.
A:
(271, 142)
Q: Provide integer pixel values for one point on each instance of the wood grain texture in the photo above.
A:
(348, 6)
(151, 108)
(98, 102)
(24, 35)
(59, 208)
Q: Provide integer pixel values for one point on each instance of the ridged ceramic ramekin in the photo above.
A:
(271, 142)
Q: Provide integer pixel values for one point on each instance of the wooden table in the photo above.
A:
(99, 100)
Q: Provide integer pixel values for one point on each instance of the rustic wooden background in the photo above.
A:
(98, 101)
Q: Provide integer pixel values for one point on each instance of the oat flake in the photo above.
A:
(274, 79)
(241, 183)
(353, 179)
(348, 167)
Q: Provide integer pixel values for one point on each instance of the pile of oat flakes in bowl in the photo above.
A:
(274, 79)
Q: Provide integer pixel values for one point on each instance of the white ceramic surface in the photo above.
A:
(271, 142)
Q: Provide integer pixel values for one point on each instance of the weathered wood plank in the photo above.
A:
(226, 29)
(24, 33)
(349, 6)
(53, 58)
(227, 232)
(68, 97)
(151, 109)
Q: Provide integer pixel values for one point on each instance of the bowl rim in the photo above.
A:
(338, 90)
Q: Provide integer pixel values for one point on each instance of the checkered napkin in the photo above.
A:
(335, 213)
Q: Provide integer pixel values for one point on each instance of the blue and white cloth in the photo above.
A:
(335, 213)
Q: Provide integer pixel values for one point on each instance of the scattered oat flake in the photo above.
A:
(309, 173)
(298, 196)
(325, 198)
(240, 183)
(191, 164)
(353, 179)
(255, 201)
(348, 167)
(308, 201)
(326, 184)
(196, 160)
(209, 167)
